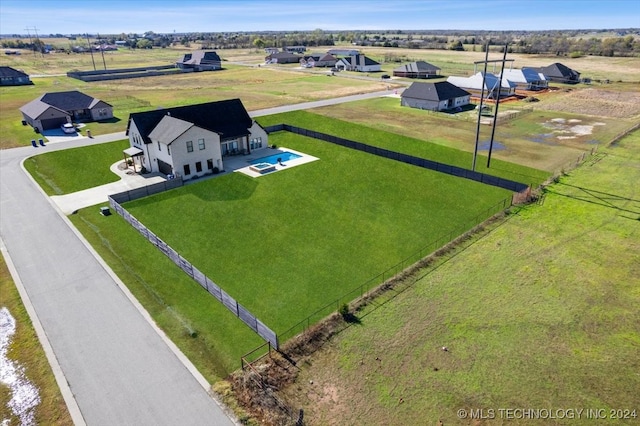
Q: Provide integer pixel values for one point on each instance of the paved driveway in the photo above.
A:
(113, 365)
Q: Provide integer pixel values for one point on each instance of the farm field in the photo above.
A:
(537, 312)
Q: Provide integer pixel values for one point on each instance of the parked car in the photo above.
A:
(68, 128)
(385, 76)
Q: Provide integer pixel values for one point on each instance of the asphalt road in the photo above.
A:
(113, 365)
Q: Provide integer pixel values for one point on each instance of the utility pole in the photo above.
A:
(102, 52)
(30, 41)
(475, 151)
(495, 114)
(91, 51)
(35, 30)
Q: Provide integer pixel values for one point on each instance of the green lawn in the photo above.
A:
(71, 170)
(283, 245)
(288, 243)
(541, 313)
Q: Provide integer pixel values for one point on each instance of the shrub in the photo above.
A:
(344, 311)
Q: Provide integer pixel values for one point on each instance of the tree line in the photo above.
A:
(625, 42)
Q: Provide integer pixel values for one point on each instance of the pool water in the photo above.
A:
(273, 159)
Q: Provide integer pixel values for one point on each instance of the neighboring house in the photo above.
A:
(526, 79)
(360, 63)
(192, 140)
(282, 58)
(13, 77)
(343, 52)
(560, 73)
(418, 69)
(320, 60)
(200, 60)
(492, 86)
(51, 110)
(434, 96)
(295, 49)
(271, 50)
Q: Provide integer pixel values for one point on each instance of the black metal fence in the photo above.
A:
(212, 288)
(405, 158)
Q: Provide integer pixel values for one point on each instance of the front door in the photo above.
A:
(164, 168)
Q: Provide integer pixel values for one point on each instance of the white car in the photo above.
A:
(68, 128)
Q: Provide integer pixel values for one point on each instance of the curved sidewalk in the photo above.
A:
(119, 367)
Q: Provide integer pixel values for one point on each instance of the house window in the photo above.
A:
(187, 170)
(256, 143)
(198, 167)
(210, 164)
(200, 144)
(189, 146)
(159, 149)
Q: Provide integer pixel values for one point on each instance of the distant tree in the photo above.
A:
(144, 43)
(259, 43)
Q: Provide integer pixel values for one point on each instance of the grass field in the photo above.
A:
(288, 243)
(26, 352)
(258, 87)
(539, 312)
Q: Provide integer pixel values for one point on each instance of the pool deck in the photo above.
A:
(241, 163)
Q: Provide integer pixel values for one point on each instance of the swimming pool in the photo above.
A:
(273, 159)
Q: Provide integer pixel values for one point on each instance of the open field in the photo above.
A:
(538, 312)
(25, 351)
(544, 140)
(258, 88)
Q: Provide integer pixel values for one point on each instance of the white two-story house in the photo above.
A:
(193, 140)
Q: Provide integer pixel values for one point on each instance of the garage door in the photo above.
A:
(53, 123)
(165, 168)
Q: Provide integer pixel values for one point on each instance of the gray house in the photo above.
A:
(526, 79)
(560, 73)
(200, 60)
(192, 140)
(282, 58)
(13, 77)
(434, 96)
(359, 63)
(51, 110)
(418, 69)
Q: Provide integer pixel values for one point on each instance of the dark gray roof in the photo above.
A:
(200, 56)
(417, 67)
(11, 72)
(434, 91)
(559, 70)
(361, 60)
(284, 55)
(69, 101)
(228, 118)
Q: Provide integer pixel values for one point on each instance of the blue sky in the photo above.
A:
(166, 16)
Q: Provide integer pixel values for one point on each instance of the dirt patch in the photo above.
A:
(595, 101)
